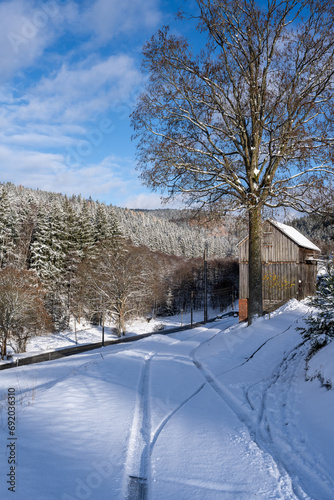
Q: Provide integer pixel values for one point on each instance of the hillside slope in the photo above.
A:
(171, 232)
(218, 412)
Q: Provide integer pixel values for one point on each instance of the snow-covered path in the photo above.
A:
(217, 412)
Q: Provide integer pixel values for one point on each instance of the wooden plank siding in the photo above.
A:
(243, 280)
(287, 286)
(276, 247)
(289, 271)
(280, 282)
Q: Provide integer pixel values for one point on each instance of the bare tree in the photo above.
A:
(118, 281)
(248, 122)
(22, 311)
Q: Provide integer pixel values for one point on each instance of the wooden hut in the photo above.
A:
(289, 267)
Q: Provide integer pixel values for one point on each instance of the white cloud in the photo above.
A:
(29, 168)
(111, 180)
(62, 79)
(26, 30)
(143, 200)
(74, 111)
(89, 75)
(77, 94)
(105, 20)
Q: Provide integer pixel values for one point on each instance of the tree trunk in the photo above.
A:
(120, 321)
(255, 307)
(4, 348)
(121, 324)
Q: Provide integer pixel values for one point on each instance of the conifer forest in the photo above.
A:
(63, 258)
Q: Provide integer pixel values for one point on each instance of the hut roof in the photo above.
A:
(295, 235)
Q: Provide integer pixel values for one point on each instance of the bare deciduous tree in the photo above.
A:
(248, 122)
(22, 311)
(119, 281)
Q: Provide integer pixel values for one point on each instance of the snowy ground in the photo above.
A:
(217, 412)
(88, 334)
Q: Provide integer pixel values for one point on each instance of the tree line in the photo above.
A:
(63, 258)
(320, 230)
(243, 119)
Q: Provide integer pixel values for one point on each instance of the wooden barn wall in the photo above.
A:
(281, 281)
(308, 277)
(243, 251)
(243, 280)
(276, 247)
(305, 254)
(286, 272)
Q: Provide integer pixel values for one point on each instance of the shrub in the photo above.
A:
(320, 330)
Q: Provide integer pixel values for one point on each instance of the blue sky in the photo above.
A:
(70, 74)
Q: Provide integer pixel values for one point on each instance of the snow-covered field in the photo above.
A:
(88, 334)
(221, 411)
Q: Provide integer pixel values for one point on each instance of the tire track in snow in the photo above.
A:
(259, 427)
(260, 347)
(171, 415)
(141, 443)
(168, 417)
(204, 329)
(246, 417)
(277, 430)
(249, 417)
(137, 467)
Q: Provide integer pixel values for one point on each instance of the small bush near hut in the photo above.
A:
(320, 330)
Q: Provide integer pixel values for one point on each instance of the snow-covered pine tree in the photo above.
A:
(46, 249)
(86, 236)
(320, 330)
(114, 226)
(71, 237)
(106, 225)
(8, 230)
(26, 209)
(48, 258)
(101, 223)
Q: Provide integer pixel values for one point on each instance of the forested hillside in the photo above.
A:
(170, 231)
(89, 260)
(318, 229)
(177, 233)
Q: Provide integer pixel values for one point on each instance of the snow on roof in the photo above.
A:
(295, 235)
(292, 233)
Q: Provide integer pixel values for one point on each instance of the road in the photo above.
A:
(210, 414)
(191, 437)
